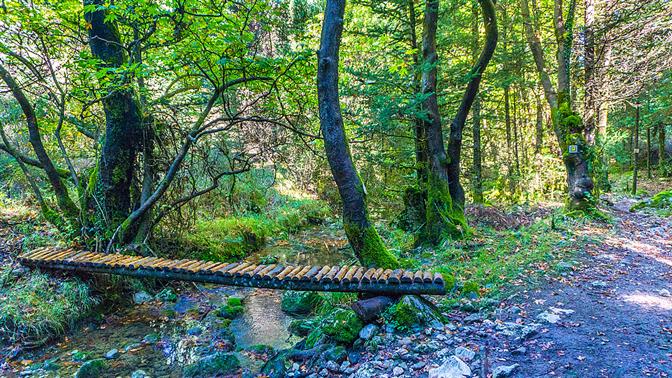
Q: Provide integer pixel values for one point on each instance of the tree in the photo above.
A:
(568, 125)
(445, 195)
(363, 237)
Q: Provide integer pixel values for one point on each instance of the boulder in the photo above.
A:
(91, 369)
(369, 331)
(214, 365)
(452, 367)
(504, 371)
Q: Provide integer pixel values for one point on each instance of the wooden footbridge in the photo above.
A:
(273, 276)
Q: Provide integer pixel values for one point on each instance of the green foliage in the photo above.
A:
(300, 302)
(372, 250)
(342, 325)
(228, 238)
(214, 365)
(36, 307)
(662, 202)
(444, 219)
(232, 309)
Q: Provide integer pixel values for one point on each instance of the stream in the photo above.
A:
(161, 337)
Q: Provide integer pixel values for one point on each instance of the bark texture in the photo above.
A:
(363, 237)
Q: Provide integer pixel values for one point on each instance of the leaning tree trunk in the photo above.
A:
(363, 237)
(123, 126)
(477, 176)
(661, 149)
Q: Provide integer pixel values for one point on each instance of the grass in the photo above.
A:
(35, 307)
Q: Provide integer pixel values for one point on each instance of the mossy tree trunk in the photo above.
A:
(363, 237)
(445, 195)
(123, 122)
(569, 128)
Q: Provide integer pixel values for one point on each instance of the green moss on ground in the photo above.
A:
(444, 219)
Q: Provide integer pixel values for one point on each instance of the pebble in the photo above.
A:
(398, 371)
(664, 293)
(368, 331)
(519, 351)
(112, 354)
(331, 365)
(504, 371)
(452, 367)
(140, 374)
(465, 354)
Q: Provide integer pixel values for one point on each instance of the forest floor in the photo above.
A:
(608, 313)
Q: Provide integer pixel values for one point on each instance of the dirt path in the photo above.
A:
(618, 321)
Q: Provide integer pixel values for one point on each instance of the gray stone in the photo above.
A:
(194, 331)
(518, 331)
(504, 371)
(473, 318)
(368, 331)
(664, 292)
(397, 371)
(465, 354)
(599, 284)
(418, 365)
(91, 369)
(519, 351)
(140, 374)
(452, 367)
(112, 354)
(548, 317)
(141, 297)
(331, 365)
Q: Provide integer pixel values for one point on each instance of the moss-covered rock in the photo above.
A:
(412, 311)
(301, 327)
(300, 302)
(91, 369)
(232, 308)
(219, 364)
(342, 325)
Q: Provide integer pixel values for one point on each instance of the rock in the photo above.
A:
(232, 308)
(140, 374)
(418, 365)
(151, 338)
(141, 297)
(300, 302)
(301, 327)
(112, 354)
(331, 365)
(413, 310)
(336, 353)
(354, 357)
(504, 371)
(405, 341)
(132, 346)
(345, 365)
(91, 369)
(397, 371)
(167, 295)
(599, 284)
(79, 356)
(476, 317)
(324, 372)
(368, 331)
(664, 293)
(519, 351)
(549, 317)
(276, 366)
(213, 365)
(465, 354)
(452, 367)
(518, 331)
(561, 311)
(195, 331)
(342, 325)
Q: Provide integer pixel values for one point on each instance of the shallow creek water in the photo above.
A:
(163, 337)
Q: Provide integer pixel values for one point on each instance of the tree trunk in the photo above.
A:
(648, 152)
(477, 178)
(589, 72)
(539, 126)
(363, 237)
(635, 150)
(419, 126)
(661, 149)
(123, 126)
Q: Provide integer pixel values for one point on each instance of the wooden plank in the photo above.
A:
(239, 268)
(291, 275)
(357, 277)
(273, 272)
(264, 271)
(256, 270)
(56, 256)
(417, 277)
(348, 275)
(330, 276)
(311, 273)
(225, 270)
(407, 277)
(325, 269)
(304, 269)
(40, 254)
(384, 276)
(341, 273)
(366, 277)
(249, 268)
(427, 277)
(438, 279)
(31, 254)
(395, 277)
(284, 272)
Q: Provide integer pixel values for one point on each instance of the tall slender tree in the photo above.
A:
(363, 237)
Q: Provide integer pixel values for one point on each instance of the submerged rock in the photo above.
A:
(91, 369)
(112, 354)
(214, 365)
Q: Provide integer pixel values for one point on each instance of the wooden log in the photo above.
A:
(357, 277)
(284, 272)
(264, 271)
(325, 269)
(407, 277)
(40, 254)
(384, 276)
(348, 275)
(256, 270)
(427, 277)
(273, 272)
(147, 262)
(341, 274)
(417, 277)
(218, 267)
(395, 277)
(32, 255)
(371, 308)
(377, 274)
(301, 273)
(330, 276)
(438, 279)
(294, 273)
(57, 256)
(239, 268)
(366, 277)
(225, 271)
(248, 268)
(311, 273)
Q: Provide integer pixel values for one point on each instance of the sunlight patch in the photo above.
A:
(649, 300)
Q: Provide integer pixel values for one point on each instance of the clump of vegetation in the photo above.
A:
(232, 308)
(342, 325)
(228, 238)
(662, 202)
(35, 307)
(215, 365)
(300, 302)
